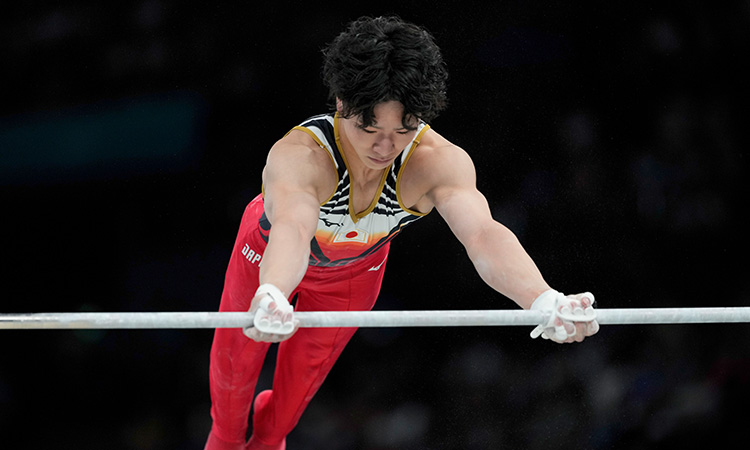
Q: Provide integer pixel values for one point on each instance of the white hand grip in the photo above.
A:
(559, 306)
(271, 320)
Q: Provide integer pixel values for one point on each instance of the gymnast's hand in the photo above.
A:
(274, 316)
(572, 318)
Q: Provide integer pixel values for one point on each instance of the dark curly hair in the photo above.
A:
(382, 59)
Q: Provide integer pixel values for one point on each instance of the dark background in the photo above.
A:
(609, 136)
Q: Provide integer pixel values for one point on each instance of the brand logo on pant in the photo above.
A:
(251, 255)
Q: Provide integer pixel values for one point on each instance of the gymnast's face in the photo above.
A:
(379, 144)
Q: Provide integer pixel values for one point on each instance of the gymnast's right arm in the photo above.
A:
(295, 178)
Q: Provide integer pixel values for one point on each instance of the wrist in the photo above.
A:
(270, 289)
(269, 293)
(545, 299)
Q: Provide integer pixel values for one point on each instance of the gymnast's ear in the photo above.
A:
(339, 105)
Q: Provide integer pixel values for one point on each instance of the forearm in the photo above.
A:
(504, 265)
(286, 257)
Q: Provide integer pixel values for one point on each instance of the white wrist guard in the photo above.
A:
(558, 306)
(270, 320)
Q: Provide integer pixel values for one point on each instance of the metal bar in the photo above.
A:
(321, 319)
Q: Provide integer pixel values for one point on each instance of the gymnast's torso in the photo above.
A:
(343, 233)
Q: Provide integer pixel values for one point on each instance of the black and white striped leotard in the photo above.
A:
(344, 235)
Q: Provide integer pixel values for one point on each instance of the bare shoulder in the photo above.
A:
(437, 153)
(299, 148)
(297, 162)
(436, 163)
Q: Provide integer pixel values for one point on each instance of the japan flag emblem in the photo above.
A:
(351, 236)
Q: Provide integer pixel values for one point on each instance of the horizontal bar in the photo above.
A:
(322, 319)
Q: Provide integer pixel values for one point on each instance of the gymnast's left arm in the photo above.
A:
(497, 254)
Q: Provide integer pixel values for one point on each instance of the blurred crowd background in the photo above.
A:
(609, 136)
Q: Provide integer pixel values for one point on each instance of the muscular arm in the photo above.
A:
(450, 185)
(296, 176)
(495, 251)
(294, 181)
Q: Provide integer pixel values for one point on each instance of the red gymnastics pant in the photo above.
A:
(303, 361)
